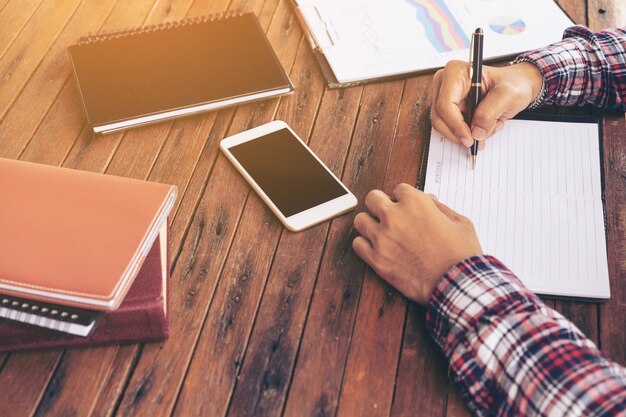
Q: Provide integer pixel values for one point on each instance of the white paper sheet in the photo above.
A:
(364, 39)
(536, 201)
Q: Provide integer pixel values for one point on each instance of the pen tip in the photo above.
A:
(473, 162)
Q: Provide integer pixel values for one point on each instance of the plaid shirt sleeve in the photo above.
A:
(513, 355)
(584, 68)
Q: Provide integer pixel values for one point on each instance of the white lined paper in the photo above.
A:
(536, 201)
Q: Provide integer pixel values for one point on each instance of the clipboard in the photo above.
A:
(315, 22)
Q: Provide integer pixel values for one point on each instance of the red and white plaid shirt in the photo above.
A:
(584, 68)
(513, 355)
(510, 353)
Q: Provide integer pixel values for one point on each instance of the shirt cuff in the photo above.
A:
(563, 66)
(476, 288)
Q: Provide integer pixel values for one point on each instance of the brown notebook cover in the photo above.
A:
(75, 238)
(142, 316)
(154, 73)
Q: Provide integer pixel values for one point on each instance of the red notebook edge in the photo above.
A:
(143, 316)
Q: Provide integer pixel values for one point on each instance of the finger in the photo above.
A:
(364, 249)
(404, 190)
(454, 88)
(482, 144)
(366, 225)
(492, 109)
(440, 126)
(451, 214)
(435, 120)
(435, 87)
(378, 203)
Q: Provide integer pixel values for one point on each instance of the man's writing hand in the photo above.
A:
(506, 92)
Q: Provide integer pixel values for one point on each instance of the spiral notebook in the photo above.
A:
(535, 199)
(159, 72)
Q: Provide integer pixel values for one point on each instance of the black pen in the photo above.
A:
(476, 75)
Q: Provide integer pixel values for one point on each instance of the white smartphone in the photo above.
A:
(287, 175)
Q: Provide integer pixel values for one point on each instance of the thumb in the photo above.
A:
(498, 105)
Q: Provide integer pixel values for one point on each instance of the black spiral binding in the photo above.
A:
(48, 310)
(101, 36)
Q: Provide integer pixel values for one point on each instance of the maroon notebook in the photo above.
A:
(142, 316)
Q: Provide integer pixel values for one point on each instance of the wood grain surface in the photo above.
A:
(264, 322)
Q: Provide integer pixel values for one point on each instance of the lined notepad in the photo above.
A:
(536, 201)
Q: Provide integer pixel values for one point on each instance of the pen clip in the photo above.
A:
(471, 57)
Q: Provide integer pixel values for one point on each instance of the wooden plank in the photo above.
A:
(20, 60)
(421, 384)
(612, 313)
(190, 196)
(112, 386)
(583, 315)
(48, 80)
(166, 386)
(182, 161)
(604, 14)
(320, 366)
(576, 9)
(212, 376)
(123, 361)
(20, 373)
(612, 339)
(12, 21)
(52, 155)
(368, 387)
(72, 380)
(59, 396)
(271, 354)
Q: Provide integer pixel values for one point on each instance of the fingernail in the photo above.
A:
(467, 142)
(479, 132)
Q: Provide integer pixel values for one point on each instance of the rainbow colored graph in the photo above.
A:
(442, 29)
(507, 25)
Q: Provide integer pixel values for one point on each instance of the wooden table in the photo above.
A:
(263, 321)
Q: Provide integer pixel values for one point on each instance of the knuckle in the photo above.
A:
(369, 197)
(466, 220)
(457, 131)
(375, 240)
(385, 210)
(402, 188)
(454, 64)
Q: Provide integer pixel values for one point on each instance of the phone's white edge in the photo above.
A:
(304, 219)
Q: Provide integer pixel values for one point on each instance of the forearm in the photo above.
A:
(513, 355)
(584, 68)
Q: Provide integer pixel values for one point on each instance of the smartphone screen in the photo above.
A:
(287, 172)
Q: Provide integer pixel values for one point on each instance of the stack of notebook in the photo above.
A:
(83, 258)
